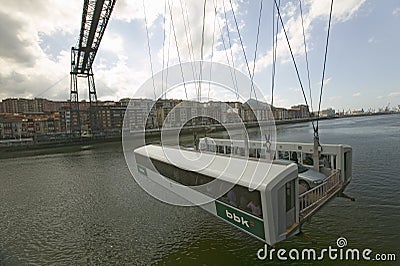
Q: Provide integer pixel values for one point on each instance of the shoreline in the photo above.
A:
(76, 144)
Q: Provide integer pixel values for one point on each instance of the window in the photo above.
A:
(248, 201)
(325, 160)
(290, 202)
(258, 153)
(211, 147)
(238, 196)
(252, 152)
(294, 156)
(228, 149)
(283, 155)
(334, 161)
(347, 165)
(184, 177)
(220, 149)
(308, 158)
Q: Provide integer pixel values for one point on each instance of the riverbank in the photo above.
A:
(53, 147)
(22, 149)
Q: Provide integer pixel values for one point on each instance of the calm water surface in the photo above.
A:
(83, 207)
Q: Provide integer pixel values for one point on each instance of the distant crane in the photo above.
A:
(387, 107)
(95, 17)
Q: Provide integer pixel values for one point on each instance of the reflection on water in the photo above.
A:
(83, 207)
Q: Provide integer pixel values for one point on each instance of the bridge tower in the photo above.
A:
(95, 17)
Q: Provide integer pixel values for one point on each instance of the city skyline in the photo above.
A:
(45, 106)
(361, 68)
(46, 120)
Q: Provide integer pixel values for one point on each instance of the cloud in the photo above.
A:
(113, 42)
(187, 22)
(326, 81)
(394, 94)
(335, 98)
(279, 100)
(396, 11)
(13, 47)
(116, 80)
(372, 39)
(47, 78)
(30, 62)
(26, 67)
(342, 10)
(183, 34)
(313, 11)
(357, 94)
(46, 16)
(129, 10)
(390, 95)
(296, 89)
(185, 29)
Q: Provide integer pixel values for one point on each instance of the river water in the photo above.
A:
(83, 207)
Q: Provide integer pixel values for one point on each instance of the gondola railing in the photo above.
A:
(312, 199)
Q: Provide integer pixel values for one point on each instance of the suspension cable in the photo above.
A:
(149, 49)
(52, 86)
(202, 50)
(212, 55)
(168, 54)
(323, 71)
(274, 47)
(230, 46)
(188, 36)
(177, 49)
(256, 48)
(291, 53)
(308, 69)
(305, 51)
(163, 49)
(241, 43)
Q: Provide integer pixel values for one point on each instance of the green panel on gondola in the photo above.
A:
(241, 219)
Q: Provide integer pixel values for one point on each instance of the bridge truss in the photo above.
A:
(95, 17)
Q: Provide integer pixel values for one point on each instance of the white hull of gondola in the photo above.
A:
(280, 217)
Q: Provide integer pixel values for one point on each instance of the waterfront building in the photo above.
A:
(12, 126)
(298, 112)
(256, 110)
(16, 126)
(280, 113)
(140, 114)
(21, 105)
(110, 116)
(328, 113)
(107, 117)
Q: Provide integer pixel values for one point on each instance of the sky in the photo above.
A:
(362, 68)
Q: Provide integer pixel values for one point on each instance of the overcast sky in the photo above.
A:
(362, 66)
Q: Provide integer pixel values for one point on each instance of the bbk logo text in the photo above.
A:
(238, 219)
